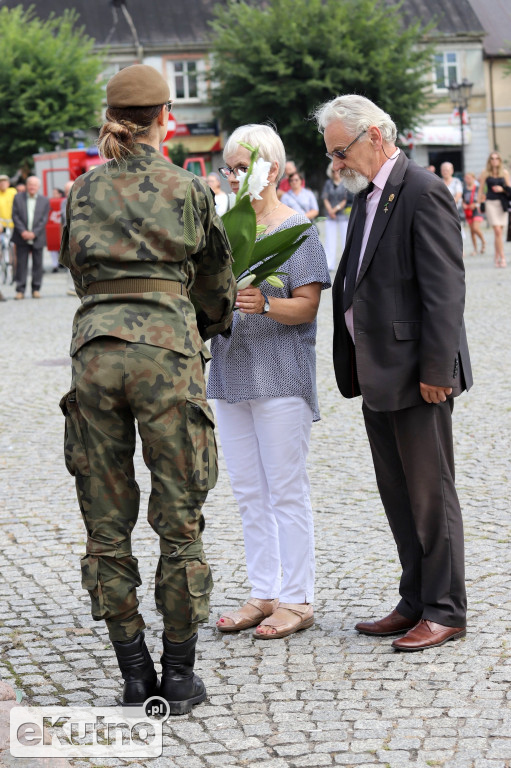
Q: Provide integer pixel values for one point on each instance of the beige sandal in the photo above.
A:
(287, 619)
(262, 608)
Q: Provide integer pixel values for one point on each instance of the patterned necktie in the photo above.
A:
(356, 245)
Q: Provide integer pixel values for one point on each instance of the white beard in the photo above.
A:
(353, 181)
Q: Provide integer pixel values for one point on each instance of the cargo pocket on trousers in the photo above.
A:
(200, 584)
(75, 452)
(91, 583)
(201, 432)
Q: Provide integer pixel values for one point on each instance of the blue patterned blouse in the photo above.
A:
(264, 358)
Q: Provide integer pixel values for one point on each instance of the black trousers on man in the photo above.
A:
(414, 463)
(22, 254)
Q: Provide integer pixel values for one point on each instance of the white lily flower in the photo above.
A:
(258, 179)
(240, 178)
(245, 282)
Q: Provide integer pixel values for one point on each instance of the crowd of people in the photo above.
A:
(399, 343)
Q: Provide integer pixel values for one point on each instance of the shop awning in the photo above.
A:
(442, 134)
(195, 144)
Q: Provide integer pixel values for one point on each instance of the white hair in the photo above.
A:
(357, 114)
(265, 137)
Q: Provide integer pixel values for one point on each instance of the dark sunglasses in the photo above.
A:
(341, 153)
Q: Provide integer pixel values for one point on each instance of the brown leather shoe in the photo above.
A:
(393, 624)
(36, 295)
(19, 296)
(427, 634)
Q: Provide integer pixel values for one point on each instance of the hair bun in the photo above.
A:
(120, 130)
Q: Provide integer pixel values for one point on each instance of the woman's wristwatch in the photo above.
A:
(266, 307)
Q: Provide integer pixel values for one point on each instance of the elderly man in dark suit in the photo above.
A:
(399, 341)
(30, 212)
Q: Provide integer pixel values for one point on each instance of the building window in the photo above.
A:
(446, 70)
(185, 79)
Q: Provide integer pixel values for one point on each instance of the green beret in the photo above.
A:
(137, 86)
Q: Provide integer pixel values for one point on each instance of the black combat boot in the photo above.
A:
(138, 672)
(179, 686)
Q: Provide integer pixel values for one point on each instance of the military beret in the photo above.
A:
(137, 86)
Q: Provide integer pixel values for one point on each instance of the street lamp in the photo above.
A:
(460, 96)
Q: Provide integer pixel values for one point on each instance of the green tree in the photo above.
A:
(49, 81)
(278, 61)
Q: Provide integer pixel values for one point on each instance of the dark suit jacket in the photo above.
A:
(409, 297)
(19, 217)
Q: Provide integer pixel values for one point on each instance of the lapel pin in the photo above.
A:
(386, 206)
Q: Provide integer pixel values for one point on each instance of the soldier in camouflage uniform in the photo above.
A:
(152, 265)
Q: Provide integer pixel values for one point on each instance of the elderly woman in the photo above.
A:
(494, 192)
(263, 379)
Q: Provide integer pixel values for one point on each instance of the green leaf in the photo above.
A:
(269, 266)
(271, 244)
(240, 225)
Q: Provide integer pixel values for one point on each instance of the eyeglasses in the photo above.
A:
(341, 153)
(226, 170)
(168, 105)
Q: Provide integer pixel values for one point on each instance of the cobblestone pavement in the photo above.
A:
(326, 696)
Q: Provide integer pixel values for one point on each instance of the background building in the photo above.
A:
(458, 39)
(472, 39)
(495, 17)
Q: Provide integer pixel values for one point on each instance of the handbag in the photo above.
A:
(482, 207)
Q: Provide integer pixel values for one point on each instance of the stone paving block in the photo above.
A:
(349, 759)
(207, 747)
(307, 762)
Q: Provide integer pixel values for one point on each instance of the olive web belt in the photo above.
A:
(137, 285)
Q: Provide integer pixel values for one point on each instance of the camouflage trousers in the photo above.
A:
(117, 385)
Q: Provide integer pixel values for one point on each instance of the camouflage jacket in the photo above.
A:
(150, 219)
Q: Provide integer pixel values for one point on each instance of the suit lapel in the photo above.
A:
(387, 201)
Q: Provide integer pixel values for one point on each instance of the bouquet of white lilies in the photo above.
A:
(255, 260)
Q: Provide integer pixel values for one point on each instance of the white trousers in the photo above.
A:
(335, 231)
(265, 444)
